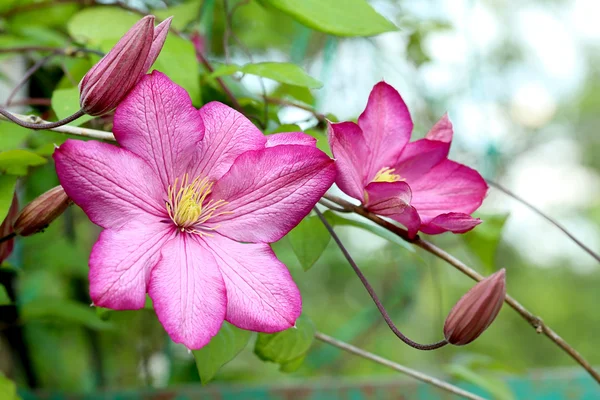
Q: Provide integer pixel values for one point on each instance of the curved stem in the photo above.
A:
(68, 129)
(7, 237)
(546, 217)
(396, 367)
(532, 319)
(372, 293)
(38, 126)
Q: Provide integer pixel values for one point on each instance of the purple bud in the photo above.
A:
(38, 214)
(476, 310)
(6, 229)
(109, 81)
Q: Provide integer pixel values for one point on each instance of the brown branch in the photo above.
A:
(532, 319)
(320, 117)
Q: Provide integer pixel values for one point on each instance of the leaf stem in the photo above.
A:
(67, 129)
(532, 319)
(39, 124)
(372, 293)
(396, 367)
(546, 217)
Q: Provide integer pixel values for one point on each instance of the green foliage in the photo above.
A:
(8, 389)
(183, 14)
(288, 73)
(224, 347)
(496, 387)
(65, 102)
(97, 24)
(289, 347)
(67, 311)
(7, 190)
(484, 239)
(4, 299)
(12, 135)
(336, 219)
(16, 162)
(337, 17)
(309, 239)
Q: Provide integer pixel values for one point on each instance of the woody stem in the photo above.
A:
(372, 293)
(38, 126)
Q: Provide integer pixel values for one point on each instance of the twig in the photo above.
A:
(7, 237)
(320, 117)
(70, 52)
(396, 367)
(333, 207)
(36, 123)
(68, 129)
(532, 319)
(33, 101)
(546, 217)
(372, 293)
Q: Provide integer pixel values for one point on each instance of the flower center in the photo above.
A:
(385, 174)
(187, 205)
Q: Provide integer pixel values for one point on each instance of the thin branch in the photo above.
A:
(532, 319)
(32, 101)
(236, 104)
(7, 237)
(67, 129)
(546, 217)
(396, 367)
(372, 293)
(332, 206)
(38, 123)
(320, 117)
(69, 51)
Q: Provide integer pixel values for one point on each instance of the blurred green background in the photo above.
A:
(520, 81)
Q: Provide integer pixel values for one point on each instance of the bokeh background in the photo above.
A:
(521, 83)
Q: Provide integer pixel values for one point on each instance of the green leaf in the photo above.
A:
(287, 346)
(16, 162)
(309, 239)
(283, 72)
(97, 24)
(293, 365)
(4, 298)
(484, 239)
(288, 73)
(496, 387)
(8, 389)
(296, 92)
(67, 311)
(286, 128)
(65, 102)
(178, 61)
(224, 347)
(337, 220)
(182, 14)
(338, 17)
(7, 191)
(12, 135)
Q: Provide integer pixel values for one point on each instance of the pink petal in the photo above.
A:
(419, 157)
(299, 138)
(227, 135)
(441, 131)
(351, 157)
(121, 261)
(160, 35)
(188, 292)
(112, 185)
(157, 122)
(446, 188)
(261, 295)
(453, 222)
(269, 191)
(386, 125)
(392, 199)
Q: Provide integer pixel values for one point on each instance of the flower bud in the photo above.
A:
(108, 82)
(6, 229)
(476, 310)
(38, 214)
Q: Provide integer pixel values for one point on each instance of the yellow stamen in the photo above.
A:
(186, 207)
(385, 175)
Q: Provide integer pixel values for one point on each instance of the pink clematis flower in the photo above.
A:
(189, 203)
(412, 183)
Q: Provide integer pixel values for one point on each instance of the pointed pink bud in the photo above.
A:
(476, 310)
(109, 81)
(38, 214)
(6, 229)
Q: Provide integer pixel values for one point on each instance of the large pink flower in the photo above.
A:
(189, 203)
(413, 183)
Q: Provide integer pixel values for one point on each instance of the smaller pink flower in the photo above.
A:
(412, 183)
(189, 203)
